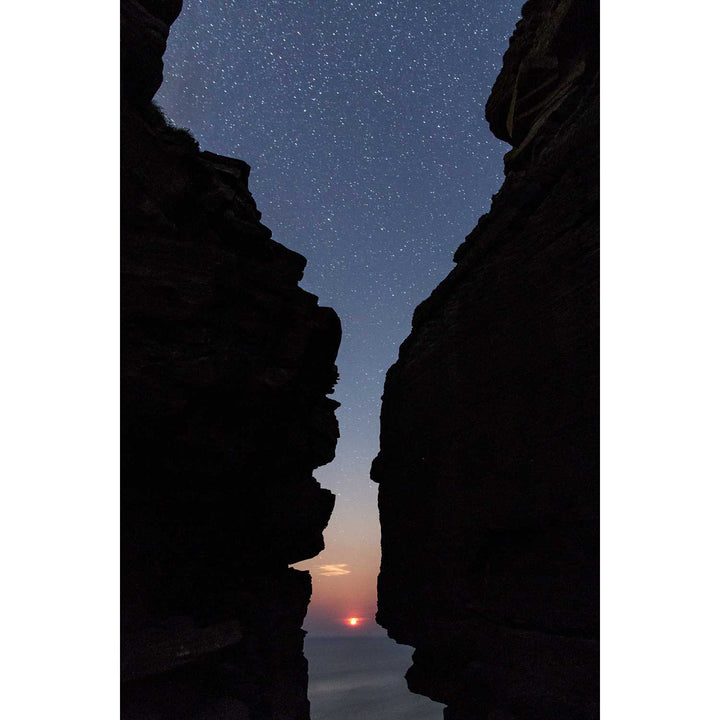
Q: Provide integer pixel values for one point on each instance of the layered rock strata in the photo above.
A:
(488, 464)
(226, 368)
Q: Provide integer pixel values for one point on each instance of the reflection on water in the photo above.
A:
(361, 678)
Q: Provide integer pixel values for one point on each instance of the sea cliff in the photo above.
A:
(488, 463)
(226, 369)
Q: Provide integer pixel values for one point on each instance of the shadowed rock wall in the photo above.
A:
(226, 364)
(488, 464)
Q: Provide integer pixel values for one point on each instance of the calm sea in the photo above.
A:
(363, 678)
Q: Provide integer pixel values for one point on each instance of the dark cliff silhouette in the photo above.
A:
(488, 464)
(226, 364)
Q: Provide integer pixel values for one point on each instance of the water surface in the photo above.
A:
(363, 678)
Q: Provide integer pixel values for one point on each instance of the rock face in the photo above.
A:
(226, 364)
(488, 464)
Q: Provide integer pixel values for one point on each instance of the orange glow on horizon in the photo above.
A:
(353, 621)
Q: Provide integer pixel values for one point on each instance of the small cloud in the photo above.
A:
(330, 570)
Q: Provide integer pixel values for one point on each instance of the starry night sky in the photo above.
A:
(364, 126)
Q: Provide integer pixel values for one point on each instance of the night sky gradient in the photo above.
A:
(364, 126)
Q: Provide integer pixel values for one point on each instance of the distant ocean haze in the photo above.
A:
(362, 678)
(344, 580)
